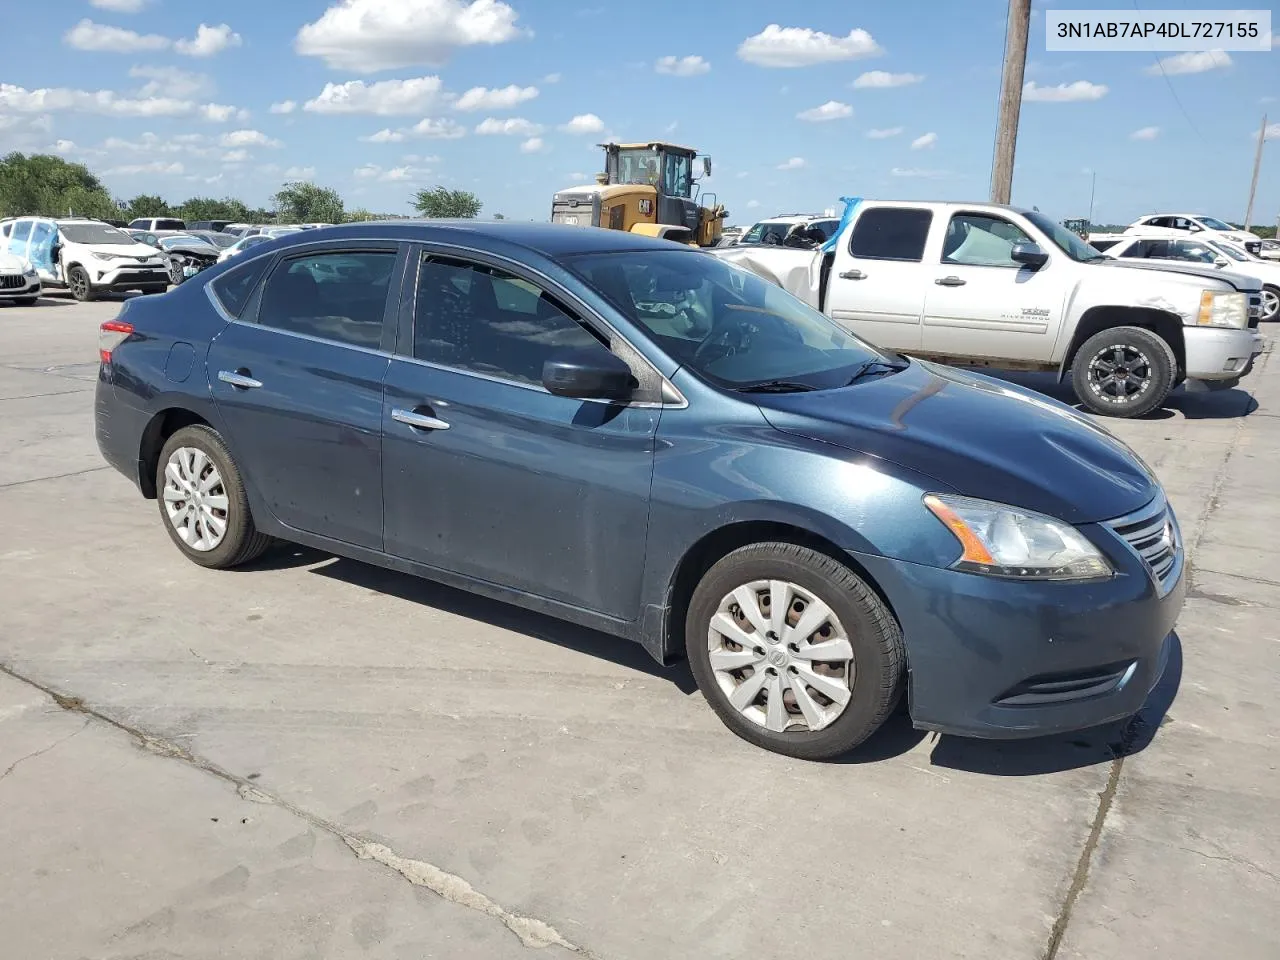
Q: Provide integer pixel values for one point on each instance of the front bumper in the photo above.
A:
(1217, 354)
(128, 278)
(30, 287)
(1003, 659)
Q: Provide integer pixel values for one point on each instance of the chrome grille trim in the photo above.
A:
(1143, 532)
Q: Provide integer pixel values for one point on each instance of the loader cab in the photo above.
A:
(667, 168)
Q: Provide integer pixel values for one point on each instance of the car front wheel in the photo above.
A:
(793, 650)
(78, 283)
(203, 502)
(1270, 303)
(1123, 372)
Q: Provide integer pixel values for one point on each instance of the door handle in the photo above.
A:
(238, 379)
(853, 275)
(950, 282)
(420, 421)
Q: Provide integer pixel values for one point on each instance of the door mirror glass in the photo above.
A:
(1029, 254)
(588, 373)
(706, 166)
(1219, 261)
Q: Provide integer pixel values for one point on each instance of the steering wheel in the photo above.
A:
(747, 329)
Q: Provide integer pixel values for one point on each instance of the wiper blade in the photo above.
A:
(775, 386)
(878, 366)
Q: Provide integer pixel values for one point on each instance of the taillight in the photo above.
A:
(110, 335)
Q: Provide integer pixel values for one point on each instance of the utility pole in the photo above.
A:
(1257, 163)
(1093, 186)
(1015, 63)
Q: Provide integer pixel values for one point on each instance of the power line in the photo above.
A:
(1176, 98)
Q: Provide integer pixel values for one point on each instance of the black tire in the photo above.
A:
(1145, 354)
(873, 633)
(26, 301)
(155, 289)
(241, 542)
(1273, 291)
(79, 285)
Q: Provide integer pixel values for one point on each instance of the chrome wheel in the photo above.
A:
(194, 499)
(1270, 304)
(78, 281)
(1119, 374)
(781, 656)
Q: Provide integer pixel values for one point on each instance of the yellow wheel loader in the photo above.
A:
(646, 188)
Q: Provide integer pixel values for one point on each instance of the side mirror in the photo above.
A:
(592, 373)
(1029, 254)
(1219, 261)
(706, 166)
(1195, 228)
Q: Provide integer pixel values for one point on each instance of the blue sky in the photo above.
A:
(508, 99)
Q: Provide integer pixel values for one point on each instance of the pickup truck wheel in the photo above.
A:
(1270, 303)
(1123, 372)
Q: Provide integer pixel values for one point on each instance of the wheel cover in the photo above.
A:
(1270, 305)
(1120, 374)
(195, 500)
(79, 283)
(781, 656)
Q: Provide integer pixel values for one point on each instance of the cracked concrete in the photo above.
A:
(249, 735)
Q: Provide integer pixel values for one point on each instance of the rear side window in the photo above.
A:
(340, 296)
(891, 233)
(169, 225)
(234, 287)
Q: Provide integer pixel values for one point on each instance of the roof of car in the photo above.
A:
(551, 239)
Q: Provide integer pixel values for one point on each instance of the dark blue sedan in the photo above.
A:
(639, 437)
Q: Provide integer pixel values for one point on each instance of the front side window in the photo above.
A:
(677, 175)
(1065, 240)
(334, 296)
(474, 317)
(891, 233)
(1192, 251)
(982, 241)
(726, 324)
(1213, 223)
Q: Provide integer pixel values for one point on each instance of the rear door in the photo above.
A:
(297, 376)
(877, 288)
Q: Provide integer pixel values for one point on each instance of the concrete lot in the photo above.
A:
(321, 759)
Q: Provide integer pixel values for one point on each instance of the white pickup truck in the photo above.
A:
(992, 285)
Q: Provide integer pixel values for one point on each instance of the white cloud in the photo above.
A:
(155, 167)
(119, 6)
(752, 204)
(512, 126)
(235, 156)
(209, 41)
(1193, 61)
(578, 177)
(499, 98)
(918, 173)
(221, 113)
(248, 138)
(884, 133)
(777, 46)
(551, 78)
(1146, 133)
(87, 35)
(533, 145)
(795, 163)
(831, 110)
(385, 136)
(371, 35)
(64, 146)
(1063, 92)
(300, 173)
(383, 98)
(15, 99)
(371, 171)
(171, 82)
(584, 123)
(924, 141)
(284, 106)
(438, 129)
(690, 66)
(875, 79)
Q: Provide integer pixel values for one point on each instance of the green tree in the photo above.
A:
(302, 202)
(50, 186)
(206, 208)
(441, 202)
(147, 205)
(498, 216)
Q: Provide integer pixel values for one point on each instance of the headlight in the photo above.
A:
(108, 256)
(1003, 541)
(1221, 309)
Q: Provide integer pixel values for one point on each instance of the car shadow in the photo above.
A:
(1214, 405)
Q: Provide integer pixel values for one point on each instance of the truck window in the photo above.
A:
(981, 241)
(891, 233)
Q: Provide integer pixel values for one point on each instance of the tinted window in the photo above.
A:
(481, 319)
(335, 296)
(890, 233)
(1101, 245)
(1142, 248)
(1192, 251)
(92, 232)
(983, 241)
(169, 225)
(234, 287)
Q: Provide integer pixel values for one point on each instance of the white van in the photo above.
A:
(87, 257)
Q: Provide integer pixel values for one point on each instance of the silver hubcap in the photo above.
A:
(781, 656)
(1119, 374)
(194, 499)
(1270, 305)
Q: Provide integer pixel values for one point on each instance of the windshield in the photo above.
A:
(95, 233)
(148, 238)
(635, 166)
(1213, 224)
(1069, 242)
(726, 324)
(767, 230)
(1229, 250)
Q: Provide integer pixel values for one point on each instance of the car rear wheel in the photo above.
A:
(793, 650)
(1124, 372)
(1270, 304)
(203, 502)
(79, 285)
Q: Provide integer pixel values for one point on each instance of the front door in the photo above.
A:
(299, 387)
(980, 303)
(487, 474)
(875, 290)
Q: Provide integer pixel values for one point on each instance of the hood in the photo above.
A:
(977, 436)
(1199, 271)
(12, 264)
(139, 250)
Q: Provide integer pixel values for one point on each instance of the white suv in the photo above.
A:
(1157, 224)
(776, 230)
(87, 257)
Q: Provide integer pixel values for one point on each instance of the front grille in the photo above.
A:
(1152, 533)
(13, 282)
